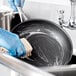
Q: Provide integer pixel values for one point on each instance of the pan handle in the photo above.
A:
(22, 14)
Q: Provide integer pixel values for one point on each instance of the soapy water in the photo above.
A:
(46, 50)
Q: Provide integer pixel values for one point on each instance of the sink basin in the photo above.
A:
(66, 73)
(70, 72)
(67, 70)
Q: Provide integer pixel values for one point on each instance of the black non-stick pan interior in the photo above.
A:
(51, 44)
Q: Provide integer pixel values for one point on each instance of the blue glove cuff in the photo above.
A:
(12, 43)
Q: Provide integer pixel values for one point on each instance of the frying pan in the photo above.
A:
(51, 44)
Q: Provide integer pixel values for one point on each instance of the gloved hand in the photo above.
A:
(16, 3)
(12, 43)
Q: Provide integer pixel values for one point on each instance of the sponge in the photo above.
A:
(27, 46)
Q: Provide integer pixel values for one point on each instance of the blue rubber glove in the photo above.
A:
(12, 43)
(16, 3)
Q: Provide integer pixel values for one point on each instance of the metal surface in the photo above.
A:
(62, 70)
(71, 22)
(73, 0)
(22, 14)
(55, 69)
(5, 20)
(73, 13)
(27, 70)
(51, 44)
(21, 67)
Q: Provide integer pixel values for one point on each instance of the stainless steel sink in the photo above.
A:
(21, 66)
(67, 70)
